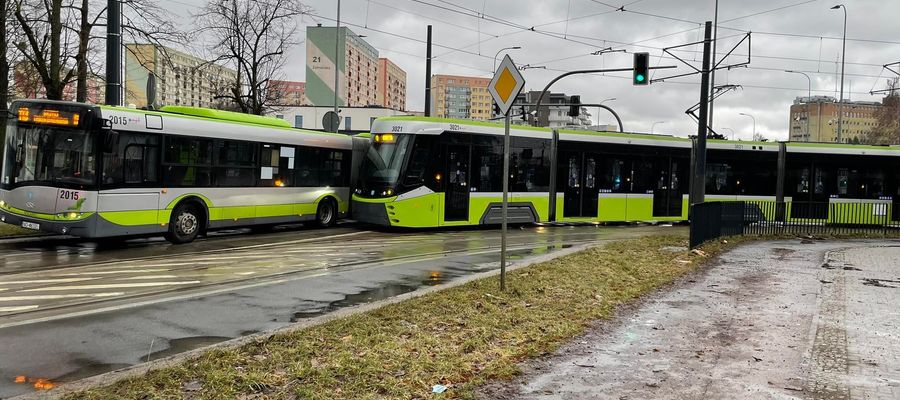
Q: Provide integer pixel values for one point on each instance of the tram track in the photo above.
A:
(250, 282)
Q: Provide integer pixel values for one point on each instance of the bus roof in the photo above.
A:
(207, 123)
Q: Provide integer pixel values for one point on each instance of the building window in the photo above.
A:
(347, 125)
(279, 116)
(298, 121)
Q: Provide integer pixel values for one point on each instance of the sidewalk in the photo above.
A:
(771, 320)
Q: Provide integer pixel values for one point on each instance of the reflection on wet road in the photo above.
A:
(64, 318)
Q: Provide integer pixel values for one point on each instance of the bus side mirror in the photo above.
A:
(110, 141)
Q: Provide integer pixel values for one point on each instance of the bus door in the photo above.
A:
(667, 196)
(456, 200)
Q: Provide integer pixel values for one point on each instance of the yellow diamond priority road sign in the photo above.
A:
(506, 85)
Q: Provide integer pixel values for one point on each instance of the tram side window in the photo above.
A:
(614, 176)
(419, 159)
(643, 176)
(188, 162)
(718, 176)
(236, 163)
(529, 165)
(487, 168)
(135, 161)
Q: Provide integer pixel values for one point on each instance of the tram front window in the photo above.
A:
(47, 154)
(383, 164)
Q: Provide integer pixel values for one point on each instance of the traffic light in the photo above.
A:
(574, 106)
(641, 69)
(497, 112)
(522, 113)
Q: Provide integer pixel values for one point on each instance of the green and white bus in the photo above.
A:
(97, 171)
(431, 172)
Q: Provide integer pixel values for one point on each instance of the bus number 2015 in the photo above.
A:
(68, 195)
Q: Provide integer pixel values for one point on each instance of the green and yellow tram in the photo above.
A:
(95, 171)
(428, 172)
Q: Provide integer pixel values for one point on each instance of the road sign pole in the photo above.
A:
(505, 204)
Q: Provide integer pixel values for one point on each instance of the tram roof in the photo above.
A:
(436, 126)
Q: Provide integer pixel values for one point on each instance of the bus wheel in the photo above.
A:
(185, 224)
(326, 215)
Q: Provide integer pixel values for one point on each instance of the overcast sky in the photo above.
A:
(799, 35)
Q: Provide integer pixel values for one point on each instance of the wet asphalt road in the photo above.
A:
(70, 309)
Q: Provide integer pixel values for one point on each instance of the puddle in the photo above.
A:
(182, 345)
(89, 367)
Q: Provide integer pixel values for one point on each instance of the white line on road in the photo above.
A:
(118, 271)
(59, 296)
(17, 308)
(110, 286)
(54, 280)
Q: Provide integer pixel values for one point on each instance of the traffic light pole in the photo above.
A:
(505, 205)
(537, 106)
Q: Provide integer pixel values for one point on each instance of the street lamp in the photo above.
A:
(843, 59)
(754, 124)
(654, 125)
(599, 108)
(808, 96)
(337, 48)
(498, 53)
(732, 132)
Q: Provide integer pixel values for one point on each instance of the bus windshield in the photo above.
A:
(48, 154)
(382, 166)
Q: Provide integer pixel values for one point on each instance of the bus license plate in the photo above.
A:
(31, 225)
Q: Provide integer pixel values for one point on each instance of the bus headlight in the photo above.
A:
(69, 216)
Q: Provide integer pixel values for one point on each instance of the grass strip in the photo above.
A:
(460, 337)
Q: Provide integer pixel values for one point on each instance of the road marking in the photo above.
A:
(120, 271)
(59, 280)
(110, 286)
(17, 309)
(142, 277)
(59, 296)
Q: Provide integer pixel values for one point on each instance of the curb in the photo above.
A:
(143, 368)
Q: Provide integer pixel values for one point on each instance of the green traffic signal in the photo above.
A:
(639, 78)
(641, 68)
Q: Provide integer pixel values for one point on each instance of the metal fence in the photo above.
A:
(712, 220)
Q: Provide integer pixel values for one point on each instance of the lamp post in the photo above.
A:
(654, 125)
(599, 107)
(843, 59)
(732, 132)
(754, 124)
(499, 51)
(808, 95)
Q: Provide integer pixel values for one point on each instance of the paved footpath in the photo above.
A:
(770, 320)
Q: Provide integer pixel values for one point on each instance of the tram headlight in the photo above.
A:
(2, 204)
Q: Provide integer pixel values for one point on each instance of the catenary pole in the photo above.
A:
(699, 177)
(114, 53)
(428, 74)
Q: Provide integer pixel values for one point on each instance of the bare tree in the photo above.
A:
(887, 117)
(61, 38)
(251, 36)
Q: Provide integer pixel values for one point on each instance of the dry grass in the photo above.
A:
(458, 337)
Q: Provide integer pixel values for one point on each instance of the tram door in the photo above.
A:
(667, 194)
(580, 188)
(810, 198)
(456, 200)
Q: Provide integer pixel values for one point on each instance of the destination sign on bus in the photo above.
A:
(47, 116)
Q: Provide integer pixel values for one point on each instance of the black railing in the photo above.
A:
(712, 220)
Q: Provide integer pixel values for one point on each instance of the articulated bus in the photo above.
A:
(97, 171)
(429, 172)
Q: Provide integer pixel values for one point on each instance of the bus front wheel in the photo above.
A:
(185, 224)
(326, 215)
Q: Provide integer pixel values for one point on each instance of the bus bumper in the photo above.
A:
(371, 213)
(81, 228)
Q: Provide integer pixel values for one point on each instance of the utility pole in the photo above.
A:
(114, 53)
(337, 68)
(4, 71)
(698, 180)
(428, 74)
(712, 74)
